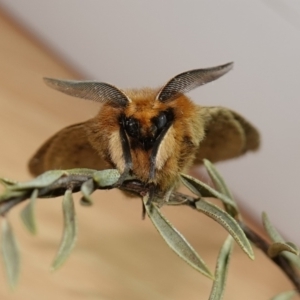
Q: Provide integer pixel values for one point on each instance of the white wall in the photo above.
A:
(138, 43)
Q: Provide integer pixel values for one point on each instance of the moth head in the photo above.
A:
(143, 130)
(145, 114)
(148, 116)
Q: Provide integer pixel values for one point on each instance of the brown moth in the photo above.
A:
(153, 134)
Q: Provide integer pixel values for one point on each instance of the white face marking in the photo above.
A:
(116, 151)
(166, 148)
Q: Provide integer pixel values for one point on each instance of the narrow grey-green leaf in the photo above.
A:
(278, 247)
(9, 194)
(40, 181)
(106, 178)
(175, 240)
(70, 231)
(228, 222)
(7, 182)
(285, 295)
(222, 270)
(295, 260)
(81, 171)
(203, 190)
(275, 236)
(220, 186)
(292, 245)
(217, 179)
(87, 189)
(10, 253)
(27, 214)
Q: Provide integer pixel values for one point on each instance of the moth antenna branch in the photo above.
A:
(91, 90)
(187, 81)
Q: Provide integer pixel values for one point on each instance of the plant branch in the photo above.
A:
(74, 182)
(282, 262)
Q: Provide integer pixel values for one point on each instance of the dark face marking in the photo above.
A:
(132, 127)
(159, 122)
(147, 140)
(125, 147)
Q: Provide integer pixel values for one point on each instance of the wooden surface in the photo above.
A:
(117, 256)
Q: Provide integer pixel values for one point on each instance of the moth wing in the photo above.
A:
(227, 135)
(67, 149)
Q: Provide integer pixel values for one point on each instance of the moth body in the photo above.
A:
(153, 134)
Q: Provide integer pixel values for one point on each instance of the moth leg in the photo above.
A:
(153, 195)
(167, 195)
(152, 189)
(126, 155)
(164, 199)
(143, 210)
(156, 196)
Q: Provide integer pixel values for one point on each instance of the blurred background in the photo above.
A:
(141, 43)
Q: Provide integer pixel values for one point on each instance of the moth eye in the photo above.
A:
(132, 127)
(160, 121)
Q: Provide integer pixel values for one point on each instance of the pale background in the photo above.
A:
(139, 43)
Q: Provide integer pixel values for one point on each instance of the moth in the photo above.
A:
(153, 134)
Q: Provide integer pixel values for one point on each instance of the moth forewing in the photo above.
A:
(67, 149)
(227, 135)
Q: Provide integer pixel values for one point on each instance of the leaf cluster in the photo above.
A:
(56, 183)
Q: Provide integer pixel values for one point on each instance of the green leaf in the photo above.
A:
(228, 222)
(217, 179)
(293, 246)
(222, 270)
(272, 232)
(175, 240)
(27, 214)
(278, 247)
(285, 296)
(276, 237)
(87, 189)
(9, 195)
(295, 260)
(10, 253)
(106, 178)
(40, 181)
(70, 231)
(81, 171)
(203, 190)
(220, 186)
(7, 182)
